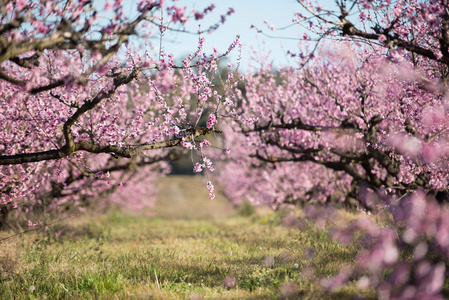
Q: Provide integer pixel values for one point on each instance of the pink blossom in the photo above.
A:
(210, 188)
(212, 121)
(382, 38)
(108, 6)
(198, 168)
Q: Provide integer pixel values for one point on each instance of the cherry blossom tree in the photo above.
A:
(85, 95)
(375, 113)
(361, 118)
(383, 131)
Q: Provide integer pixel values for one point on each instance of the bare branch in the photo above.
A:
(317, 15)
(298, 124)
(11, 79)
(27, 62)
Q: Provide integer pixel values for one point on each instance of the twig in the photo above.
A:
(37, 228)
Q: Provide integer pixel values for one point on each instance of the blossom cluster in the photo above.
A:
(101, 96)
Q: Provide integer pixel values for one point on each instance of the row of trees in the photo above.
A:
(368, 120)
(362, 119)
(372, 109)
(82, 103)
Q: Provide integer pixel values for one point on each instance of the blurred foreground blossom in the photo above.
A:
(230, 282)
(288, 290)
(336, 282)
(268, 261)
(421, 226)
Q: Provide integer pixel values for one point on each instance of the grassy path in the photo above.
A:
(181, 253)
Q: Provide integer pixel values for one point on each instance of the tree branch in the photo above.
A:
(27, 62)
(116, 151)
(341, 165)
(349, 29)
(298, 124)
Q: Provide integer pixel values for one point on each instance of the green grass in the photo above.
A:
(122, 257)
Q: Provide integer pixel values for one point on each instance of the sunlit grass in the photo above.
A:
(118, 256)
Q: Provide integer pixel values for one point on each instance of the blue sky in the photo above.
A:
(247, 13)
